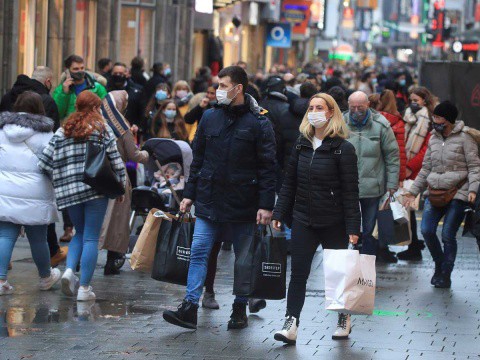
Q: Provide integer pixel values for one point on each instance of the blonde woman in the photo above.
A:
(321, 186)
(182, 94)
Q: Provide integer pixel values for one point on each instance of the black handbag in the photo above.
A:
(98, 173)
(261, 266)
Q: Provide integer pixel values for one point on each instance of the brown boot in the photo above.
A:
(59, 257)
(67, 235)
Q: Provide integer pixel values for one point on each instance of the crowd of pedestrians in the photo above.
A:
(312, 153)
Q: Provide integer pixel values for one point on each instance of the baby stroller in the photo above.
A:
(147, 197)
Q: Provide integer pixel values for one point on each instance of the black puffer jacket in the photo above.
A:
(321, 186)
(232, 175)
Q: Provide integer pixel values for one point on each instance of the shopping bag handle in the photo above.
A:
(352, 246)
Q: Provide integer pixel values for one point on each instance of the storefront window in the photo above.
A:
(137, 28)
(32, 35)
(85, 30)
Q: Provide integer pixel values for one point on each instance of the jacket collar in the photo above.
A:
(459, 125)
(327, 144)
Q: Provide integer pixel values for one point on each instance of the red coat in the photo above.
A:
(415, 163)
(398, 127)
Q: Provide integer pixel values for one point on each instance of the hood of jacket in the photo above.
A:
(277, 95)
(299, 106)
(20, 126)
(24, 83)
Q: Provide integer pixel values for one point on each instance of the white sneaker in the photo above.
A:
(85, 294)
(47, 283)
(70, 283)
(344, 327)
(6, 289)
(289, 332)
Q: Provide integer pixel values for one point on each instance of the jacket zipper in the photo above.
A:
(333, 197)
(310, 187)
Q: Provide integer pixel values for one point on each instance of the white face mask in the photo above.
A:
(317, 119)
(222, 96)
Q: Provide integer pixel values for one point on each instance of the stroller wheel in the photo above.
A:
(119, 262)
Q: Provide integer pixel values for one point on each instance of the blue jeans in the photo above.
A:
(369, 208)
(87, 219)
(454, 214)
(203, 239)
(37, 236)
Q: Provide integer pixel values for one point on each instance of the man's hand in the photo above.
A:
(392, 191)
(408, 200)
(186, 205)
(121, 199)
(204, 103)
(353, 239)
(264, 217)
(472, 197)
(277, 225)
(66, 85)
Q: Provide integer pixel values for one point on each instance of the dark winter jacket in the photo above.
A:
(135, 112)
(299, 107)
(232, 175)
(321, 186)
(24, 83)
(137, 77)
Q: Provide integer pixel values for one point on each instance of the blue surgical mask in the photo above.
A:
(167, 71)
(170, 114)
(403, 82)
(161, 95)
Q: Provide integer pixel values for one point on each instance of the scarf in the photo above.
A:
(362, 123)
(112, 106)
(416, 130)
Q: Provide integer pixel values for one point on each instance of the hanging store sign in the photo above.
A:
(279, 35)
(297, 12)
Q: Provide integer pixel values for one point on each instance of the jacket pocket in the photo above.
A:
(204, 186)
(245, 135)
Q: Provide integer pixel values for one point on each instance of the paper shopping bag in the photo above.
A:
(144, 250)
(350, 280)
(172, 254)
(260, 267)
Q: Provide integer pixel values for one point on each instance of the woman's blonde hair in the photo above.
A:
(181, 84)
(335, 127)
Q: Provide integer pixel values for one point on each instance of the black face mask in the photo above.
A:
(415, 107)
(119, 79)
(79, 75)
(439, 127)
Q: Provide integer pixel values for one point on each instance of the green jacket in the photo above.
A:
(377, 153)
(66, 102)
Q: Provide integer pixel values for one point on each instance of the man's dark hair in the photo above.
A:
(71, 59)
(157, 68)
(103, 62)
(29, 102)
(137, 63)
(118, 63)
(366, 76)
(337, 73)
(237, 75)
(307, 90)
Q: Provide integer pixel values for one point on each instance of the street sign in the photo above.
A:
(279, 35)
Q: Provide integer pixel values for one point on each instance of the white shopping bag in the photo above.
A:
(398, 210)
(350, 280)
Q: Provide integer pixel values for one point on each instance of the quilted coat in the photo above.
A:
(26, 194)
(449, 161)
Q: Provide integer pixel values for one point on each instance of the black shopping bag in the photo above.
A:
(260, 266)
(402, 233)
(386, 226)
(172, 255)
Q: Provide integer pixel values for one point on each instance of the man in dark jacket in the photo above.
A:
(136, 104)
(40, 83)
(232, 182)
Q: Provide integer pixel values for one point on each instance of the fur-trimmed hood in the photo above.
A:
(37, 123)
(20, 126)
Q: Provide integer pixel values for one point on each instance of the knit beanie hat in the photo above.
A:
(446, 110)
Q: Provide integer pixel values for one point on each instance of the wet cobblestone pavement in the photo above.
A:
(412, 320)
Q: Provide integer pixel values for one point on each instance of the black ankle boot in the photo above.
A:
(238, 319)
(185, 316)
(444, 281)
(438, 272)
(110, 268)
(413, 253)
(385, 256)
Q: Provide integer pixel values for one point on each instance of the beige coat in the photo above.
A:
(115, 233)
(448, 162)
